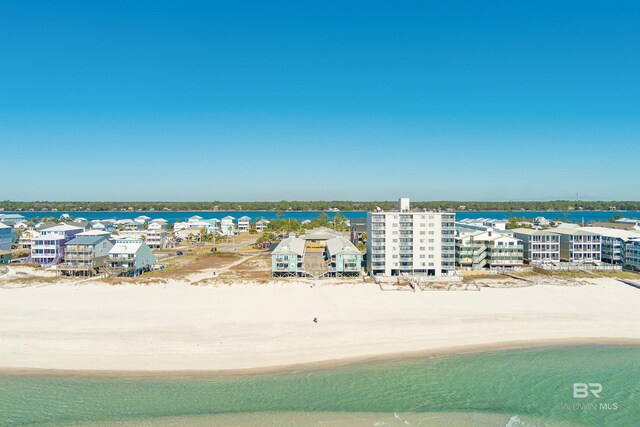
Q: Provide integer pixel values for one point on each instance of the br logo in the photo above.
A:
(583, 390)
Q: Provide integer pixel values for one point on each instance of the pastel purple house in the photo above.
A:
(48, 246)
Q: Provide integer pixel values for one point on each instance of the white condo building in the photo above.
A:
(406, 242)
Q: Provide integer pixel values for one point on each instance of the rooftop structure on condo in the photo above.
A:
(406, 242)
(539, 245)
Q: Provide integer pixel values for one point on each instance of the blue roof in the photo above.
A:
(87, 240)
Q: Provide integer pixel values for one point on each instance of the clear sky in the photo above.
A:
(306, 100)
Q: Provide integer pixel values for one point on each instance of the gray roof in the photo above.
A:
(87, 240)
(341, 245)
(532, 232)
(320, 233)
(290, 245)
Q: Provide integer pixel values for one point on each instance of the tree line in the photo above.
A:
(343, 205)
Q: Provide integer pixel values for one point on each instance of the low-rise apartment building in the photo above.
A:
(632, 254)
(406, 242)
(539, 245)
(578, 244)
(478, 249)
(613, 243)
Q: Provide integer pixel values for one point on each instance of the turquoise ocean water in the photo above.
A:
(527, 387)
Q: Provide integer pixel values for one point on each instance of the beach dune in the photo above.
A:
(179, 327)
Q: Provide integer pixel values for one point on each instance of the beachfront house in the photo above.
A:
(5, 237)
(244, 224)
(261, 225)
(288, 257)
(539, 245)
(85, 255)
(489, 248)
(129, 257)
(578, 245)
(48, 246)
(344, 258)
(227, 226)
(406, 242)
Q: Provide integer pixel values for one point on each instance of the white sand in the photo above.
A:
(181, 327)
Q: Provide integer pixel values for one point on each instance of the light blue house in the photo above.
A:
(5, 237)
(345, 259)
(288, 257)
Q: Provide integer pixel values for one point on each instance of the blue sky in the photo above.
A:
(364, 100)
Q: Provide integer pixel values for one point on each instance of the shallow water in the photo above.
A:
(513, 387)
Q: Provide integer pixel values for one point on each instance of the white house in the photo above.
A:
(227, 226)
(244, 224)
(261, 225)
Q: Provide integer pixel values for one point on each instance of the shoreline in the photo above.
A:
(176, 328)
(329, 364)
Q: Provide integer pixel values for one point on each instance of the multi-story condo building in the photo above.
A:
(578, 244)
(85, 255)
(539, 245)
(244, 224)
(406, 242)
(632, 254)
(613, 243)
(129, 257)
(48, 246)
(477, 249)
(5, 237)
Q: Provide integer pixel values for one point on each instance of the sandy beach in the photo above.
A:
(180, 327)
